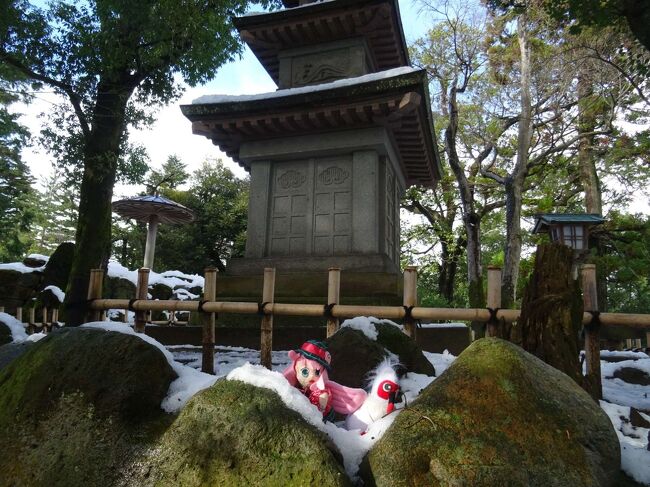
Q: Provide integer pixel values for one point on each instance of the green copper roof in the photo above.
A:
(543, 220)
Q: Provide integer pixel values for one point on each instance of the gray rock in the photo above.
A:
(354, 354)
(18, 288)
(57, 269)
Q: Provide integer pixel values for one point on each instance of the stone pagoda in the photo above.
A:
(330, 153)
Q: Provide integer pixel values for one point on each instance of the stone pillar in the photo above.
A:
(365, 202)
(258, 202)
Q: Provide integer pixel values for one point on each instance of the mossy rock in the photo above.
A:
(354, 354)
(118, 288)
(57, 269)
(409, 353)
(498, 416)
(237, 434)
(80, 407)
(5, 334)
(160, 291)
(11, 351)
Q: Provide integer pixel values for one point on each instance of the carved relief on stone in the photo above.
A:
(291, 179)
(333, 175)
(318, 68)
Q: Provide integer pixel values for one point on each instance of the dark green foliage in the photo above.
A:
(579, 14)
(622, 259)
(16, 194)
(498, 416)
(219, 201)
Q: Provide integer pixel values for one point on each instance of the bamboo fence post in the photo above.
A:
(95, 292)
(44, 319)
(493, 299)
(333, 296)
(32, 320)
(141, 292)
(410, 298)
(592, 339)
(207, 320)
(2, 309)
(266, 332)
(19, 314)
(125, 317)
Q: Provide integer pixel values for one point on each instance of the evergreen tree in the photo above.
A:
(55, 216)
(16, 194)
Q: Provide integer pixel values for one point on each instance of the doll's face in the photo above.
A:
(307, 372)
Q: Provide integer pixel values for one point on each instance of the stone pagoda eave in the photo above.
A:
(377, 21)
(399, 103)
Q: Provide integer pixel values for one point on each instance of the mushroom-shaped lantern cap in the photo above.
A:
(142, 208)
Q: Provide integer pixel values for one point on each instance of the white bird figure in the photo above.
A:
(381, 400)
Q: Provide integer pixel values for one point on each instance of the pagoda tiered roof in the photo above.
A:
(396, 99)
(376, 21)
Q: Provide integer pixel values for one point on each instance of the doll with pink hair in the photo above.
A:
(308, 372)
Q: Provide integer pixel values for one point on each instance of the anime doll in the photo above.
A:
(308, 372)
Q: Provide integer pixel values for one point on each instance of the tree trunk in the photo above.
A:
(588, 172)
(448, 269)
(551, 312)
(93, 238)
(471, 220)
(515, 182)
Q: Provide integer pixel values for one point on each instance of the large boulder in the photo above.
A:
(237, 434)
(18, 288)
(11, 351)
(354, 354)
(118, 288)
(498, 416)
(79, 407)
(57, 269)
(5, 334)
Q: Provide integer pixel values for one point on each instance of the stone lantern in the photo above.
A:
(570, 229)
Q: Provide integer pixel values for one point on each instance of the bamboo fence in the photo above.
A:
(333, 312)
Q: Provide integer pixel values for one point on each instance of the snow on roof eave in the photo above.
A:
(242, 21)
(366, 78)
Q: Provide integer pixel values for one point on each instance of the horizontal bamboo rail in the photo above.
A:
(639, 321)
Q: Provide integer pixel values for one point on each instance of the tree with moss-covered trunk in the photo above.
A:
(111, 59)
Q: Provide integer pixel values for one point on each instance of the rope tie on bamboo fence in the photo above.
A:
(261, 306)
(493, 314)
(327, 311)
(594, 324)
(200, 308)
(131, 303)
(408, 316)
